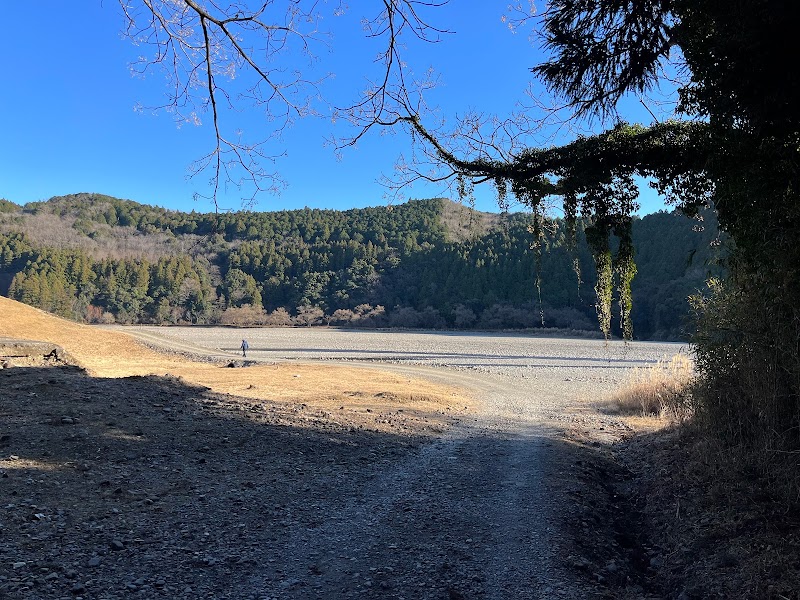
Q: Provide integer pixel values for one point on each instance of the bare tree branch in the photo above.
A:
(219, 55)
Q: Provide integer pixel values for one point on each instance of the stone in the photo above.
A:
(580, 563)
(116, 545)
(94, 561)
(656, 562)
(78, 588)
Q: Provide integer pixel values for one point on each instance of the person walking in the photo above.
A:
(245, 347)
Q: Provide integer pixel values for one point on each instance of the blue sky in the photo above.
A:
(69, 124)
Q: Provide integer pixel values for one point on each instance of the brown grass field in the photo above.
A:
(111, 354)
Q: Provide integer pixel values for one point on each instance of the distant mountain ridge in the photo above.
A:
(425, 263)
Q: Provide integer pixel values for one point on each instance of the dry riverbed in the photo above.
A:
(158, 486)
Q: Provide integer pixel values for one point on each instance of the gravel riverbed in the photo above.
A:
(489, 489)
(181, 496)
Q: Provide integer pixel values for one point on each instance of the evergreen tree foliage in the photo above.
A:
(347, 265)
(7, 206)
(741, 152)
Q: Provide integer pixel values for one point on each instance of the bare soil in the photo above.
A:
(140, 474)
(109, 354)
(117, 481)
(159, 485)
(147, 484)
(716, 529)
(140, 471)
(679, 516)
(149, 487)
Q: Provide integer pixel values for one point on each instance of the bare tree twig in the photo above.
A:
(217, 56)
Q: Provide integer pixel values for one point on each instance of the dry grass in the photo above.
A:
(113, 354)
(661, 390)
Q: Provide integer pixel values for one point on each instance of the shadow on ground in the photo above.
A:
(148, 485)
(114, 485)
(713, 526)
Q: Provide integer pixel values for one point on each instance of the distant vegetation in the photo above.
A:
(6, 206)
(660, 390)
(426, 263)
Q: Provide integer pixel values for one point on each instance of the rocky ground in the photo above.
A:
(149, 487)
(146, 486)
(716, 528)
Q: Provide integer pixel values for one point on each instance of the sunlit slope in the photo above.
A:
(103, 353)
(112, 354)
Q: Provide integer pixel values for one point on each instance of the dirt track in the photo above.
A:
(482, 505)
(300, 485)
(337, 479)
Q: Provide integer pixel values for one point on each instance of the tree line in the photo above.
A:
(425, 263)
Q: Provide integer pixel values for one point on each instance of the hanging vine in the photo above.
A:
(465, 189)
(626, 271)
(537, 230)
(530, 193)
(571, 234)
(594, 177)
(502, 194)
(597, 236)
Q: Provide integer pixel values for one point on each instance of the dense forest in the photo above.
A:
(425, 263)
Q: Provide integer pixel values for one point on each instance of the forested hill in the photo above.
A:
(425, 263)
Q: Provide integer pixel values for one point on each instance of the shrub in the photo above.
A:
(404, 316)
(279, 317)
(463, 317)
(506, 316)
(568, 318)
(367, 316)
(342, 316)
(747, 357)
(431, 318)
(309, 315)
(662, 390)
(243, 315)
(94, 314)
(748, 391)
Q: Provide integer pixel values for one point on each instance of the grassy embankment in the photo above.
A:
(107, 354)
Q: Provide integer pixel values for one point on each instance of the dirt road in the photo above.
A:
(476, 513)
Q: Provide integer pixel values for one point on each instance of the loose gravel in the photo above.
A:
(171, 492)
(479, 512)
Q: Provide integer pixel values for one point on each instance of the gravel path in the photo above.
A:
(476, 513)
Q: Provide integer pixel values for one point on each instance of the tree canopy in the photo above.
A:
(425, 263)
(737, 148)
(732, 144)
